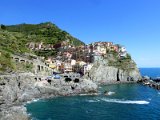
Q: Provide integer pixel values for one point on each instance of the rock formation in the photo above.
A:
(103, 73)
(19, 88)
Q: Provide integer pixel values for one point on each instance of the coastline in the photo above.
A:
(30, 90)
(18, 90)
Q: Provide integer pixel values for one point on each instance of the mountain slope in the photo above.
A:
(14, 39)
(46, 32)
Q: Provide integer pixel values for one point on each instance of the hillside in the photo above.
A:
(47, 32)
(14, 39)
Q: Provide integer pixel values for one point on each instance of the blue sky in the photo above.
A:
(132, 23)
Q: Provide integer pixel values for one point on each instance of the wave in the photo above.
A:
(111, 93)
(91, 101)
(125, 101)
(89, 94)
(119, 101)
(34, 100)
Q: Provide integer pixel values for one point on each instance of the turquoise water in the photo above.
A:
(129, 102)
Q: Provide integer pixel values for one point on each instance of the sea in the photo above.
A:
(124, 102)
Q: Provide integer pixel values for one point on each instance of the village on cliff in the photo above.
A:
(80, 59)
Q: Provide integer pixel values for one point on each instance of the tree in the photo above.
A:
(3, 27)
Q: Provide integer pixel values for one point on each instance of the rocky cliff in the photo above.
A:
(17, 89)
(103, 72)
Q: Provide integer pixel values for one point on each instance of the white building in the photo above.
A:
(67, 67)
(124, 54)
(73, 62)
(122, 49)
(87, 68)
(101, 49)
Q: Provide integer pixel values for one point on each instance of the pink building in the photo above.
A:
(115, 48)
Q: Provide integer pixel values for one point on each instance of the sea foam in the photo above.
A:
(34, 100)
(125, 101)
(119, 101)
(94, 100)
(91, 101)
(111, 93)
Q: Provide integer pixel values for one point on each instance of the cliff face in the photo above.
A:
(103, 73)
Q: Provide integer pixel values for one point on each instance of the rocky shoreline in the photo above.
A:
(153, 83)
(18, 89)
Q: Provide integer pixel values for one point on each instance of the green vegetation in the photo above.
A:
(3, 27)
(13, 42)
(25, 67)
(114, 54)
(125, 63)
(5, 62)
(46, 53)
(48, 33)
(14, 39)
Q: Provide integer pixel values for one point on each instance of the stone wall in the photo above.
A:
(39, 67)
